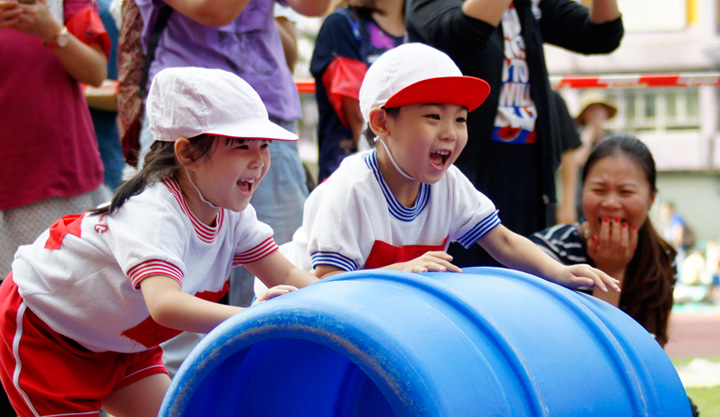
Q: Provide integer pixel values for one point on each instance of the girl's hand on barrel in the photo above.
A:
(275, 291)
(435, 261)
(583, 275)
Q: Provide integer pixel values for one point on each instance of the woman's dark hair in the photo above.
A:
(370, 135)
(647, 289)
(160, 162)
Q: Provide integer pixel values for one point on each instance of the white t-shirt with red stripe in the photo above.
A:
(81, 275)
(353, 221)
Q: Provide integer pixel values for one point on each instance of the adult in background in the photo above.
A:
(595, 110)
(676, 231)
(616, 235)
(513, 141)
(570, 142)
(50, 165)
(350, 39)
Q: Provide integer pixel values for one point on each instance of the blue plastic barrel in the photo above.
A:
(485, 342)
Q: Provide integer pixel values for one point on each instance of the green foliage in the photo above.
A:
(707, 400)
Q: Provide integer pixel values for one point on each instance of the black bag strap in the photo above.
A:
(160, 23)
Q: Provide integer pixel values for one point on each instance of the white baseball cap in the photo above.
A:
(185, 102)
(415, 73)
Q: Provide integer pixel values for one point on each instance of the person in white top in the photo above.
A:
(88, 303)
(400, 205)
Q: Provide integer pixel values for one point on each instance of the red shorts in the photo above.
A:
(46, 373)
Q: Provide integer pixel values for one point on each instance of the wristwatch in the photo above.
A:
(61, 39)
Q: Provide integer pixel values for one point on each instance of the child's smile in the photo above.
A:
(425, 139)
(439, 158)
(247, 186)
(229, 178)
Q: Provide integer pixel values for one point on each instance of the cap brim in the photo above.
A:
(254, 129)
(466, 91)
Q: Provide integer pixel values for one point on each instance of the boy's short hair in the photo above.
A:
(415, 73)
(185, 102)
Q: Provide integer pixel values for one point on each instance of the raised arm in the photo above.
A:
(489, 11)
(213, 13)
(216, 13)
(310, 7)
(602, 11)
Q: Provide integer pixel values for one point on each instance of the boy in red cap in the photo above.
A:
(399, 206)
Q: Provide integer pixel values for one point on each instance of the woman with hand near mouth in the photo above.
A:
(616, 235)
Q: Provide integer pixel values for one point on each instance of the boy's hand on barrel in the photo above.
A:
(433, 261)
(275, 291)
(583, 275)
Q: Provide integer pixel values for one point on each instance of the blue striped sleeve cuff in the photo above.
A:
(479, 230)
(333, 259)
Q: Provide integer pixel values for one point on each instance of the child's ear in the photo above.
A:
(184, 151)
(379, 121)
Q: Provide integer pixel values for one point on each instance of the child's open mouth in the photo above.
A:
(439, 158)
(246, 185)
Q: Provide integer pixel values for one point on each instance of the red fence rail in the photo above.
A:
(307, 86)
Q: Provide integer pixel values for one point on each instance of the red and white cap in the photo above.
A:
(185, 102)
(415, 73)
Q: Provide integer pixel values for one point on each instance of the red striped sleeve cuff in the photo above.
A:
(154, 267)
(256, 254)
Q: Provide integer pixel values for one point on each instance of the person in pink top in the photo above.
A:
(50, 165)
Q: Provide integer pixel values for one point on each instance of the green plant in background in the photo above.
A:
(707, 400)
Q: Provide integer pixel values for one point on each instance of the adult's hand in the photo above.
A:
(37, 20)
(9, 13)
(85, 63)
(613, 247)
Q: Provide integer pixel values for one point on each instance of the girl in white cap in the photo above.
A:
(87, 304)
(399, 206)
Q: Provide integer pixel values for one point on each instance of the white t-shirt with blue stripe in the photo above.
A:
(353, 215)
